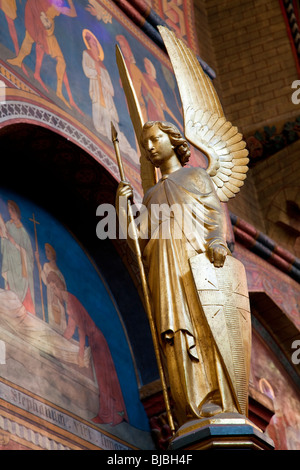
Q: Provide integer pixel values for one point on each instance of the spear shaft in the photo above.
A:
(144, 286)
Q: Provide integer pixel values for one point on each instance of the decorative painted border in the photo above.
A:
(26, 436)
(265, 247)
(15, 110)
(24, 107)
(270, 140)
(24, 415)
(26, 112)
(290, 13)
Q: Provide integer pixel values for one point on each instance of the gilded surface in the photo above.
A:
(198, 291)
(224, 298)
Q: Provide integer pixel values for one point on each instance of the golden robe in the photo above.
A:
(195, 370)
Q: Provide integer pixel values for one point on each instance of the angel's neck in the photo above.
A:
(168, 167)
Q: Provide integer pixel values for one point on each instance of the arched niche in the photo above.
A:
(62, 184)
(279, 331)
(275, 372)
(276, 397)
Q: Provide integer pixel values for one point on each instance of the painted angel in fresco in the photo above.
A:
(56, 311)
(40, 24)
(112, 409)
(17, 258)
(102, 92)
(204, 338)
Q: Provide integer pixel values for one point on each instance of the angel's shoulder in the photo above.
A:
(194, 179)
(197, 174)
(199, 171)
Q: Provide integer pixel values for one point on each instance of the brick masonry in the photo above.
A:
(247, 44)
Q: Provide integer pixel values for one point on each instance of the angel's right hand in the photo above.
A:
(124, 194)
(125, 190)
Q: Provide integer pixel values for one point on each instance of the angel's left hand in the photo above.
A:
(217, 255)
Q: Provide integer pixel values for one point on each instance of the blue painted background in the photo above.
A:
(84, 281)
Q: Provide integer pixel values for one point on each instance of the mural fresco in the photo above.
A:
(62, 338)
(66, 49)
(271, 378)
(57, 58)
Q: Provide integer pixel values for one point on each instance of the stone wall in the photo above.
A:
(247, 44)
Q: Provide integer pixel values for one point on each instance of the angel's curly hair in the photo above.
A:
(181, 147)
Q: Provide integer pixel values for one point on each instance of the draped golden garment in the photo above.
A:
(195, 370)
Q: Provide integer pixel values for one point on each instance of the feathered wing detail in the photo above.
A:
(205, 125)
(148, 174)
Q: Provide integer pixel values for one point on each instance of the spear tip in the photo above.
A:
(114, 134)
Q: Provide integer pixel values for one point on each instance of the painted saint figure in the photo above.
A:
(112, 409)
(40, 25)
(17, 258)
(56, 311)
(136, 74)
(156, 103)
(102, 92)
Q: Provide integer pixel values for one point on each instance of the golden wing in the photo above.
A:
(205, 125)
(148, 174)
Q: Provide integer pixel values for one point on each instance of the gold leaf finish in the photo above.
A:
(205, 125)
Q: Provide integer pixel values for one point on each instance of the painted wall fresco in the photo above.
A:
(178, 15)
(57, 60)
(61, 336)
(65, 52)
(271, 379)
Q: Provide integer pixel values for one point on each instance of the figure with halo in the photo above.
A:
(102, 92)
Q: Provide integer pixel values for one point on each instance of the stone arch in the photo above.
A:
(287, 202)
(27, 108)
(53, 170)
(275, 376)
(276, 329)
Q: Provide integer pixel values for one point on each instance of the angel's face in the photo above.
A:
(157, 145)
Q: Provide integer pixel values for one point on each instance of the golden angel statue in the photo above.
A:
(198, 291)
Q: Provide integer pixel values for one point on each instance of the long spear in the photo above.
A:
(115, 141)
